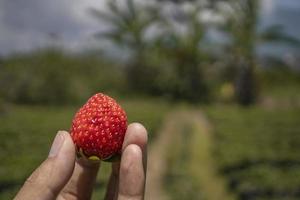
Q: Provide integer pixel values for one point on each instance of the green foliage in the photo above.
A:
(128, 28)
(170, 63)
(275, 33)
(52, 77)
(182, 53)
(258, 150)
(281, 86)
(241, 25)
(163, 59)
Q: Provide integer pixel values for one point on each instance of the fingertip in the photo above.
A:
(66, 135)
(138, 127)
(136, 134)
(63, 132)
(67, 152)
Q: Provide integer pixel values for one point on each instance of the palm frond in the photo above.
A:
(106, 16)
(113, 7)
(276, 34)
(131, 8)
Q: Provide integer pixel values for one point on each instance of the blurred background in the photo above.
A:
(217, 79)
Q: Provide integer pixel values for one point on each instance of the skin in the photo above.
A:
(63, 177)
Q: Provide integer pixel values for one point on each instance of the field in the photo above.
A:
(27, 131)
(212, 151)
(239, 153)
(257, 150)
(250, 152)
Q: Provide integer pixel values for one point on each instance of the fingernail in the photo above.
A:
(57, 144)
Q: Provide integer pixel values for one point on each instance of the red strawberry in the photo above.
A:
(99, 127)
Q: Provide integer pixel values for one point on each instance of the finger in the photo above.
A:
(132, 176)
(135, 134)
(112, 187)
(82, 182)
(51, 176)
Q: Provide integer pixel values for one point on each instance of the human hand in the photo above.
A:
(63, 177)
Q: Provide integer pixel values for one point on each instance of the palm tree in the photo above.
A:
(242, 29)
(187, 58)
(128, 27)
(242, 26)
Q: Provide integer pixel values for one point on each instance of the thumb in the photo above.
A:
(52, 175)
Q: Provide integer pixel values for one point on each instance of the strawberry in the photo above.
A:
(98, 128)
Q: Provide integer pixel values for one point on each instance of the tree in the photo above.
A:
(242, 28)
(128, 25)
(184, 52)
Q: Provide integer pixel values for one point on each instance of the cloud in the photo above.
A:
(28, 24)
(25, 25)
(267, 7)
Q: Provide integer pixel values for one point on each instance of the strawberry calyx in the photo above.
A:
(113, 158)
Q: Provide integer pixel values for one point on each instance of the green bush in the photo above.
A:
(52, 77)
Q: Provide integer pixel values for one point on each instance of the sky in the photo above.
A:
(286, 13)
(30, 24)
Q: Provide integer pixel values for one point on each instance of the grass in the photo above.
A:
(258, 150)
(27, 131)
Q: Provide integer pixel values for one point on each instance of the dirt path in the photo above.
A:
(202, 163)
(157, 162)
(202, 166)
